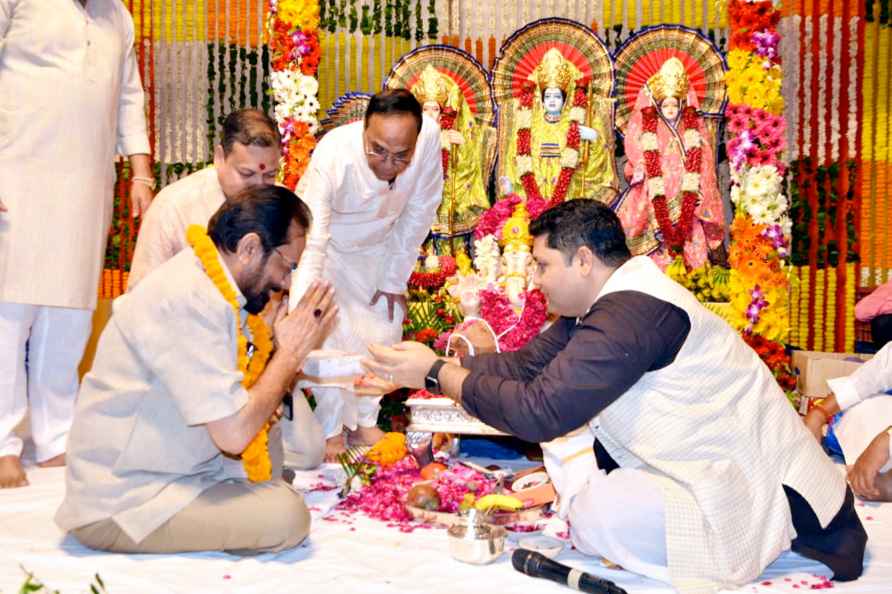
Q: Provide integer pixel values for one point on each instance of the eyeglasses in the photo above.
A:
(379, 154)
(292, 265)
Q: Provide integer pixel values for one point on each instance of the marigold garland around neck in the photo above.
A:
(675, 236)
(255, 458)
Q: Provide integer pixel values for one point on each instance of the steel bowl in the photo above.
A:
(476, 542)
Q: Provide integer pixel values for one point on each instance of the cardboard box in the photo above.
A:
(814, 368)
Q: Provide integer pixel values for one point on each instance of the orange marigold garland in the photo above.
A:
(388, 450)
(255, 458)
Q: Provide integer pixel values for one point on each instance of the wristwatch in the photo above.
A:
(432, 379)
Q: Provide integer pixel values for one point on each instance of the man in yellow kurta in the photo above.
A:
(465, 144)
(71, 99)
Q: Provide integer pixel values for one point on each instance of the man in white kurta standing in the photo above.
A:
(248, 155)
(71, 100)
(373, 187)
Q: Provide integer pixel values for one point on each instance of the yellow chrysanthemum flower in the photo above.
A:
(289, 13)
(738, 59)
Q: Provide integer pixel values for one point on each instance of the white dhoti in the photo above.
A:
(619, 516)
(302, 435)
(861, 424)
(53, 339)
(354, 277)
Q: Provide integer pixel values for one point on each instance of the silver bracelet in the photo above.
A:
(146, 181)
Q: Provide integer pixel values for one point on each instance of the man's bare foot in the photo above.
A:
(334, 446)
(366, 436)
(53, 462)
(11, 473)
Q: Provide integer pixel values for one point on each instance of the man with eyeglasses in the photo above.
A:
(163, 415)
(247, 156)
(373, 187)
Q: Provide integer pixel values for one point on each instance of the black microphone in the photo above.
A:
(538, 565)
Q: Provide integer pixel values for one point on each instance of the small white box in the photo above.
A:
(328, 364)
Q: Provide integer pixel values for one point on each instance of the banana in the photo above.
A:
(488, 502)
(676, 269)
(720, 276)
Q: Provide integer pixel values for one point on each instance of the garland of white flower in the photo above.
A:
(293, 29)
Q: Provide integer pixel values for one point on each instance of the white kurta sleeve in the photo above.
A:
(6, 9)
(415, 221)
(132, 138)
(886, 466)
(154, 244)
(870, 379)
(316, 190)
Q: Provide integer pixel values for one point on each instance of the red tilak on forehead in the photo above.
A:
(262, 166)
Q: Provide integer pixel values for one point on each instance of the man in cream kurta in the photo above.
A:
(162, 234)
(70, 99)
(165, 397)
(702, 473)
(373, 206)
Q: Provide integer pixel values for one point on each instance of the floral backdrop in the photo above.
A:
(822, 64)
(760, 232)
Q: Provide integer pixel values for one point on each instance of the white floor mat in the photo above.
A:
(342, 555)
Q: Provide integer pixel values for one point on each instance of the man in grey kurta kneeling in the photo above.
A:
(161, 419)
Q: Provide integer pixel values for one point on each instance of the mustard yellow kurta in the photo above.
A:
(467, 175)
